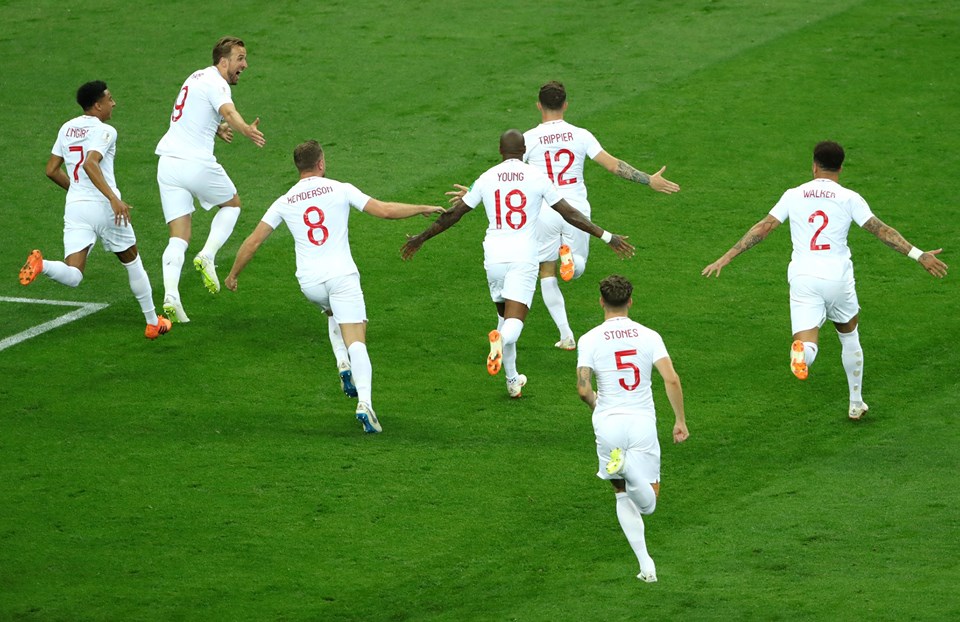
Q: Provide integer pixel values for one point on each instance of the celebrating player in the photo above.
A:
(187, 167)
(821, 272)
(559, 150)
(512, 193)
(94, 209)
(316, 211)
(622, 353)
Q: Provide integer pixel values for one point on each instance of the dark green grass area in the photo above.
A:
(219, 474)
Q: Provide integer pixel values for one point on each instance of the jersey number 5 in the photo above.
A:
(76, 169)
(622, 364)
(560, 179)
(515, 202)
(813, 241)
(179, 104)
(313, 226)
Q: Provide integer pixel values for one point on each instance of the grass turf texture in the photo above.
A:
(218, 473)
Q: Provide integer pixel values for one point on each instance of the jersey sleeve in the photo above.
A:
(103, 139)
(474, 195)
(273, 217)
(57, 148)
(355, 197)
(585, 351)
(592, 144)
(219, 93)
(550, 193)
(659, 350)
(859, 210)
(781, 211)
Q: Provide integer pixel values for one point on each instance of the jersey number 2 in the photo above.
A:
(76, 169)
(312, 226)
(515, 202)
(560, 179)
(622, 364)
(813, 241)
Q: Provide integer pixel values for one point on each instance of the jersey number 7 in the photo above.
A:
(622, 364)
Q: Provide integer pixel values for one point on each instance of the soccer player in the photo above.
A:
(94, 209)
(187, 167)
(821, 272)
(512, 193)
(559, 150)
(316, 210)
(622, 353)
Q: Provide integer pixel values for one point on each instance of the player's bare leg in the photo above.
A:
(556, 306)
(803, 351)
(220, 229)
(173, 257)
(852, 357)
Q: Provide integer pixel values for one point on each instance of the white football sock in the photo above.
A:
(140, 286)
(362, 371)
(810, 350)
(220, 229)
(499, 322)
(631, 522)
(852, 357)
(62, 273)
(510, 333)
(172, 265)
(579, 265)
(336, 342)
(553, 299)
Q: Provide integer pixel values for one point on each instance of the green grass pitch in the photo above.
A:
(219, 474)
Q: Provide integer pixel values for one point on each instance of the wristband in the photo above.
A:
(607, 236)
(915, 253)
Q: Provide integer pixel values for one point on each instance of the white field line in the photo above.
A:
(85, 309)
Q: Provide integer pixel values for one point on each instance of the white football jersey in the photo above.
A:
(195, 116)
(77, 138)
(621, 354)
(559, 150)
(512, 194)
(316, 211)
(820, 213)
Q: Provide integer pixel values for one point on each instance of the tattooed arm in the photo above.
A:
(751, 238)
(585, 387)
(892, 238)
(622, 169)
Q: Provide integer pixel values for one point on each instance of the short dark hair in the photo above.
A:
(829, 155)
(224, 47)
(616, 290)
(90, 93)
(553, 95)
(306, 155)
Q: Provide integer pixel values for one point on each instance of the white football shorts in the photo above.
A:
(814, 300)
(84, 222)
(341, 295)
(182, 180)
(553, 230)
(637, 436)
(512, 281)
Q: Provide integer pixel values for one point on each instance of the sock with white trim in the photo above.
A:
(220, 229)
(142, 291)
(553, 299)
(852, 357)
(62, 273)
(362, 371)
(173, 265)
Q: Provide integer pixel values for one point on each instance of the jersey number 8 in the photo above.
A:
(314, 225)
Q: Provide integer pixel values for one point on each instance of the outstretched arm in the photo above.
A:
(250, 130)
(91, 166)
(395, 211)
(446, 220)
(585, 387)
(573, 216)
(622, 169)
(892, 238)
(751, 238)
(247, 250)
(55, 172)
(671, 383)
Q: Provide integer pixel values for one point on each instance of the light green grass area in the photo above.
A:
(219, 473)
